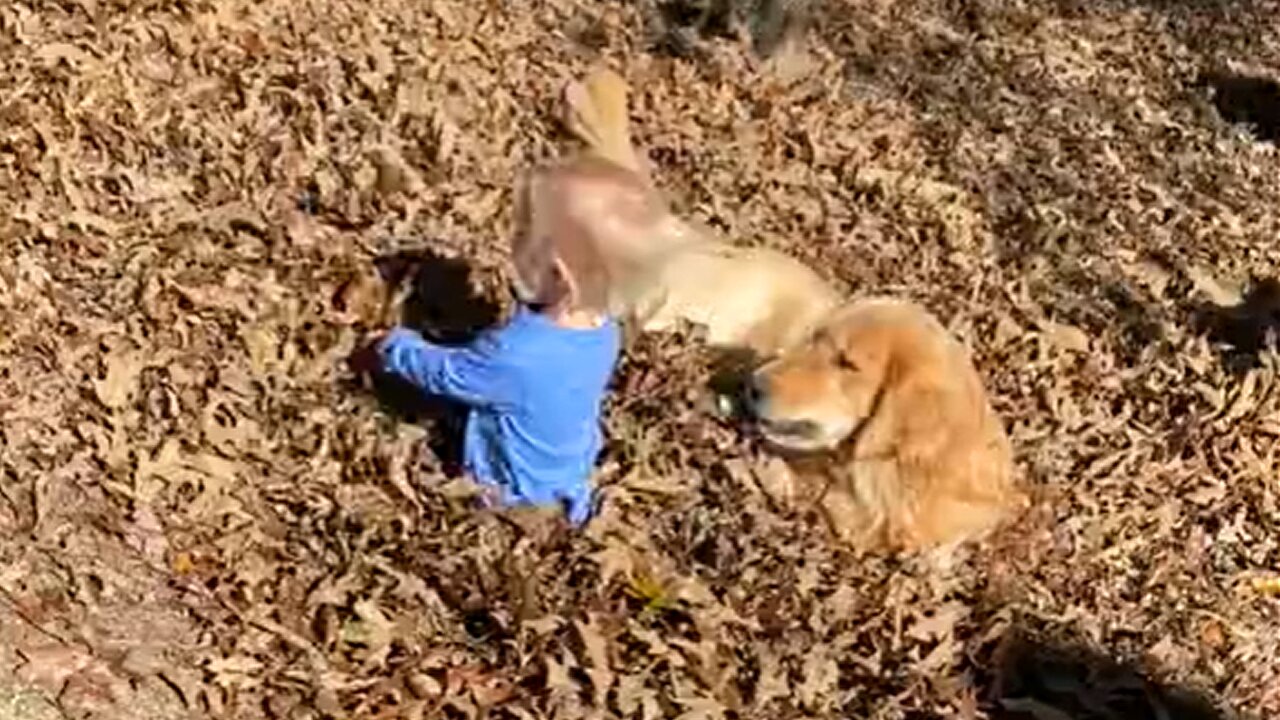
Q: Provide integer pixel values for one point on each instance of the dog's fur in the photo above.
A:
(749, 298)
(600, 214)
(897, 442)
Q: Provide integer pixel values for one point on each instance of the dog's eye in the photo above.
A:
(846, 363)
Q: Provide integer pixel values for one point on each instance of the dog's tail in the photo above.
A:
(596, 112)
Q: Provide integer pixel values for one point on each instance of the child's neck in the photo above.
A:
(574, 319)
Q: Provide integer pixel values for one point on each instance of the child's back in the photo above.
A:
(535, 389)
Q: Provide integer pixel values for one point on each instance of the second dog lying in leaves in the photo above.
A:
(609, 223)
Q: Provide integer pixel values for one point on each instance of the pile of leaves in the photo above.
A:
(202, 514)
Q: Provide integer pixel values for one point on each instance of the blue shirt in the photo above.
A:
(534, 390)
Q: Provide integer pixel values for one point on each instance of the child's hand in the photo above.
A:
(372, 357)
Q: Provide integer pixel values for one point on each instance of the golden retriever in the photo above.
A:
(898, 444)
(599, 215)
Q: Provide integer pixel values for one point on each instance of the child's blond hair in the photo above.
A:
(588, 230)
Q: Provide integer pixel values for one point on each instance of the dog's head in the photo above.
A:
(881, 358)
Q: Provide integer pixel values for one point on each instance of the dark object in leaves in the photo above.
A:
(1249, 327)
(1253, 101)
(445, 307)
(445, 419)
(442, 303)
(480, 625)
(1033, 680)
(309, 201)
(769, 22)
(730, 372)
(774, 22)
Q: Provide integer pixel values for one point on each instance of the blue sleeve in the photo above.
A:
(473, 374)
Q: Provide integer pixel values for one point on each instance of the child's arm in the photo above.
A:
(472, 374)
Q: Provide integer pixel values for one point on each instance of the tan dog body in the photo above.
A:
(753, 298)
(616, 232)
(902, 448)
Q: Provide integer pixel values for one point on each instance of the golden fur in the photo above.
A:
(599, 214)
(899, 445)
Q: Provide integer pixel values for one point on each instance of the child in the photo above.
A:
(533, 389)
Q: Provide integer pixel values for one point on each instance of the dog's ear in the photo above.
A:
(925, 408)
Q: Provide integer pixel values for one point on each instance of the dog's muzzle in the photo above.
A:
(755, 403)
(782, 430)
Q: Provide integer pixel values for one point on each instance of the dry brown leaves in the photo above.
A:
(203, 517)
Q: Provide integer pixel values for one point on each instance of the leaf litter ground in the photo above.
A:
(203, 516)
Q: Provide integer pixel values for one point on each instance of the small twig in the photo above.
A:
(16, 608)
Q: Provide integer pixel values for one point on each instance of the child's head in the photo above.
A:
(582, 234)
(555, 272)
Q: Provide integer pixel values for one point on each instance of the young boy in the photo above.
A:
(533, 389)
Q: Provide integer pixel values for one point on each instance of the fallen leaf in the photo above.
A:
(183, 563)
(147, 535)
(51, 666)
(818, 679)
(700, 708)
(772, 681)
(90, 221)
(939, 625)
(1066, 337)
(394, 175)
(557, 677)
(1216, 291)
(424, 686)
(123, 367)
(53, 53)
(599, 668)
(371, 629)
(235, 671)
(636, 699)
(778, 483)
(614, 559)
(94, 691)
(1267, 585)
